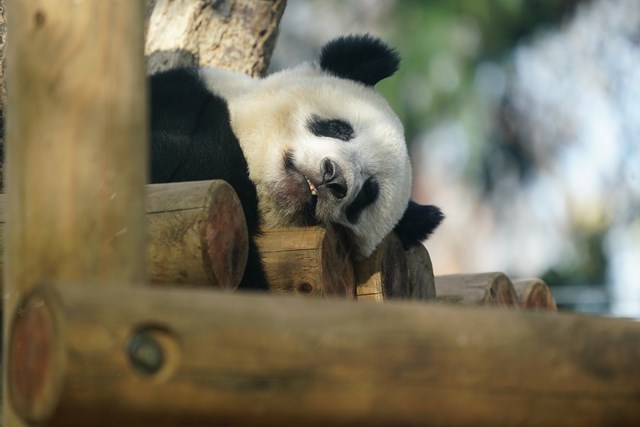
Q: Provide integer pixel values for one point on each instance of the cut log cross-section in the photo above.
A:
(534, 294)
(310, 260)
(476, 289)
(197, 234)
(384, 274)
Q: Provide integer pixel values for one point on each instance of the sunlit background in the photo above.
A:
(523, 122)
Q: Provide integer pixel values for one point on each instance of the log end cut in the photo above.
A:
(225, 239)
(534, 294)
(34, 361)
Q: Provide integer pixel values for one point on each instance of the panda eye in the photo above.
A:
(330, 128)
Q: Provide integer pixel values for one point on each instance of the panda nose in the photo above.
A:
(333, 179)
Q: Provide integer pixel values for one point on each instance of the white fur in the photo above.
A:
(269, 117)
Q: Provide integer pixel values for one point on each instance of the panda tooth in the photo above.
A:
(312, 188)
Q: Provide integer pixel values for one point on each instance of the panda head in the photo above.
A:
(323, 146)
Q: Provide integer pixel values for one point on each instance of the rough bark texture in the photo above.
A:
(234, 34)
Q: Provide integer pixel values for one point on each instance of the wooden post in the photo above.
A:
(76, 146)
(114, 356)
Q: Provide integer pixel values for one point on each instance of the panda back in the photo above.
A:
(192, 138)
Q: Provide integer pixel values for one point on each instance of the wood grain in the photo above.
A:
(196, 234)
(476, 289)
(308, 260)
(75, 146)
(232, 359)
(534, 294)
(384, 274)
(421, 281)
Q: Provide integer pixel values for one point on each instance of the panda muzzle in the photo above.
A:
(333, 179)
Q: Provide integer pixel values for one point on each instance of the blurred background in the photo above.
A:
(523, 124)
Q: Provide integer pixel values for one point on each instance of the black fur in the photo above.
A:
(417, 223)
(330, 128)
(362, 58)
(367, 196)
(192, 140)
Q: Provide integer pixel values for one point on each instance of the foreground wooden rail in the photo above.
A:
(129, 357)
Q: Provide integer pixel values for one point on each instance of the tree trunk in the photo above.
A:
(234, 34)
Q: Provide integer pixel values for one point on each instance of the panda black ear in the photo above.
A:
(362, 58)
(418, 222)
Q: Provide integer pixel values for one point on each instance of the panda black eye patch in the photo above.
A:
(367, 196)
(330, 128)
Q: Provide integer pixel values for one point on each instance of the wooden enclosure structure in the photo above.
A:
(86, 343)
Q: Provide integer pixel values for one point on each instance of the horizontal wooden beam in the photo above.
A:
(87, 355)
(196, 234)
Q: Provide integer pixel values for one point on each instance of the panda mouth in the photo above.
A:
(301, 191)
(312, 188)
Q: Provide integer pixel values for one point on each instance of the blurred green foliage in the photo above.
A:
(442, 44)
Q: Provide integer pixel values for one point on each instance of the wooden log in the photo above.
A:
(197, 234)
(3, 89)
(131, 357)
(384, 274)
(421, 281)
(476, 289)
(75, 146)
(308, 260)
(534, 294)
(234, 34)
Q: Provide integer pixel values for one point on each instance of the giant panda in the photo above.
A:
(314, 144)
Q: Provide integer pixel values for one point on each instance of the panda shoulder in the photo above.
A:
(226, 84)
